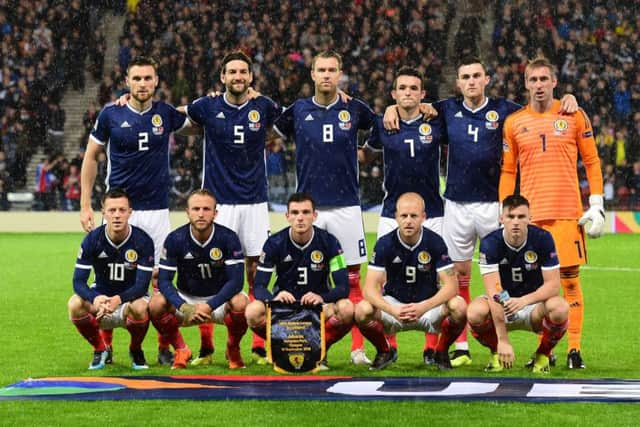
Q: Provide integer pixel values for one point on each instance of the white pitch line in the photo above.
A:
(603, 268)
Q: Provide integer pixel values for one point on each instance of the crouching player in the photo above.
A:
(210, 265)
(521, 273)
(303, 257)
(122, 258)
(407, 262)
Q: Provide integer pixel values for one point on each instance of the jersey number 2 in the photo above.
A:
(143, 141)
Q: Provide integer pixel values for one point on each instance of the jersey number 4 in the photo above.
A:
(473, 131)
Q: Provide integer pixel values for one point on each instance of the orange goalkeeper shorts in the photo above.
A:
(569, 239)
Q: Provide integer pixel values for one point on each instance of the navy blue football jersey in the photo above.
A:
(411, 162)
(302, 269)
(326, 139)
(412, 271)
(120, 269)
(234, 157)
(214, 268)
(475, 147)
(520, 268)
(137, 147)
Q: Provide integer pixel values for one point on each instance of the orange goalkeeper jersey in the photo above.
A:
(546, 147)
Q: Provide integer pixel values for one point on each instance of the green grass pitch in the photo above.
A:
(37, 340)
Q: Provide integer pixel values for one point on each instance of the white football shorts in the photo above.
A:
(250, 222)
(464, 223)
(345, 223)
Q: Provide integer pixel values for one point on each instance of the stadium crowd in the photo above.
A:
(594, 45)
(40, 58)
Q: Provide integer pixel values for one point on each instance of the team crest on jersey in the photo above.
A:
(425, 133)
(424, 257)
(131, 256)
(215, 254)
(492, 117)
(80, 251)
(530, 257)
(345, 120)
(561, 126)
(254, 120)
(316, 260)
(163, 254)
(317, 256)
(505, 146)
(156, 121)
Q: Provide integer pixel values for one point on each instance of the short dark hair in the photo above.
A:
(327, 54)
(301, 197)
(115, 193)
(408, 71)
(513, 201)
(237, 55)
(143, 61)
(202, 192)
(468, 60)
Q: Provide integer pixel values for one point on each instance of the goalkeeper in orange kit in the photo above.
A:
(545, 144)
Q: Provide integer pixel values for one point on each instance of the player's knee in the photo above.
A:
(238, 302)
(76, 306)
(344, 310)
(138, 309)
(478, 311)
(157, 306)
(457, 307)
(557, 309)
(255, 313)
(364, 312)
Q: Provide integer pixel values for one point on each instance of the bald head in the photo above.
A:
(412, 199)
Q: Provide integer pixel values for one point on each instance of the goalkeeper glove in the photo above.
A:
(595, 214)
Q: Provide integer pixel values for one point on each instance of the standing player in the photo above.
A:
(236, 129)
(209, 262)
(545, 144)
(411, 161)
(304, 258)
(136, 140)
(121, 256)
(408, 263)
(325, 131)
(474, 138)
(520, 270)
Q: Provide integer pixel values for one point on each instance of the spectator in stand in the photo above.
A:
(634, 186)
(55, 129)
(181, 186)
(71, 187)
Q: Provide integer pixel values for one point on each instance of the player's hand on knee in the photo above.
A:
(286, 297)
(202, 313)
(595, 214)
(311, 298)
